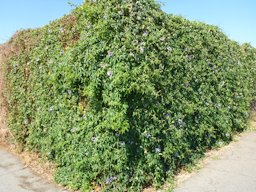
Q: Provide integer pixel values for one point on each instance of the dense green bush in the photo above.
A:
(121, 95)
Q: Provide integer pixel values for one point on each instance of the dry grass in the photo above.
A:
(252, 122)
(34, 161)
(19, 42)
(38, 165)
(4, 131)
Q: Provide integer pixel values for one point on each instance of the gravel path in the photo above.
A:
(14, 177)
(234, 170)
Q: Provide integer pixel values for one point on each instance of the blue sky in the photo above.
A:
(235, 17)
(23, 14)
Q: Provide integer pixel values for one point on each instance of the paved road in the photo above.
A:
(233, 171)
(14, 177)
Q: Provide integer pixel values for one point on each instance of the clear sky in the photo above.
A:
(237, 18)
(23, 14)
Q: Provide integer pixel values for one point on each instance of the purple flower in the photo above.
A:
(186, 84)
(147, 135)
(110, 73)
(169, 171)
(220, 143)
(190, 57)
(145, 33)
(73, 130)
(162, 39)
(122, 143)
(110, 53)
(94, 139)
(110, 180)
(180, 122)
(169, 49)
(158, 150)
(69, 92)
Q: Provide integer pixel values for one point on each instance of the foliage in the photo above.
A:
(121, 95)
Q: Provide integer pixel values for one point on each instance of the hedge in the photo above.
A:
(121, 95)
